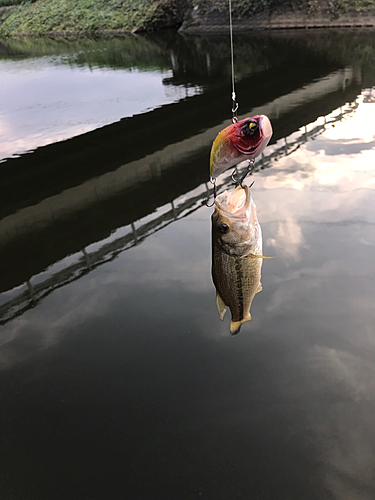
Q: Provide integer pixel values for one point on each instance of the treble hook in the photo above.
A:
(250, 168)
(213, 181)
(232, 176)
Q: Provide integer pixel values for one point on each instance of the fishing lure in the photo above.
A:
(242, 140)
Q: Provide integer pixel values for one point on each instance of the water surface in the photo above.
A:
(118, 379)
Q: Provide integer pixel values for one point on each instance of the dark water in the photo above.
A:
(118, 380)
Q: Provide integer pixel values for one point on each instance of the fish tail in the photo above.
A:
(235, 326)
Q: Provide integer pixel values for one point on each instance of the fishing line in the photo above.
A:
(234, 103)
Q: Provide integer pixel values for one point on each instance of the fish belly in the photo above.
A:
(237, 280)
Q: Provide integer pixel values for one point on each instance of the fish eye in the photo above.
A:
(223, 228)
(252, 125)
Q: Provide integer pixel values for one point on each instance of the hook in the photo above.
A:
(213, 181)
(249, 169)
(232, 176)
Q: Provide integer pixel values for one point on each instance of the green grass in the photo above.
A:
(45, 16)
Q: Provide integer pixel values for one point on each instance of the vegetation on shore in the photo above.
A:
(44, 16)
(87, 16)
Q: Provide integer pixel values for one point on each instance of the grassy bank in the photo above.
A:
(45, 16)
(87, 16)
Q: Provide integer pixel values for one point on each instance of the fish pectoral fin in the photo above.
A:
(221, 307)
(235, 326)
(252, 256)
(260, 288)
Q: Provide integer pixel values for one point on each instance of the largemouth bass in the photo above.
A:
(236, 254)
(243, 140)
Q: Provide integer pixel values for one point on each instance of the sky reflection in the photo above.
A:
(42, 102)
(301, 197)
(133, 356)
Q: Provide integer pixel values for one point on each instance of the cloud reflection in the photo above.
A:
(289, 239)
(342, 147)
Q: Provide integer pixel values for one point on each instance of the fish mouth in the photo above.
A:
(236, 203)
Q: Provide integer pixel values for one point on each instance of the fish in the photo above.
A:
(236, 254)
(243, 140)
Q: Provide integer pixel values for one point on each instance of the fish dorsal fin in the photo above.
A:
(236, 325)
(221, 307)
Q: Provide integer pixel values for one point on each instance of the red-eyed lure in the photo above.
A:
(243, 140)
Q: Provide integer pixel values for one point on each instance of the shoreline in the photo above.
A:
(241, 28)
(216, 22)
(201, 30)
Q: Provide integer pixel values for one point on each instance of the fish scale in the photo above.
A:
(237, 280)
(236, 256)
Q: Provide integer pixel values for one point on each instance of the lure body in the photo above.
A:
(243, 140)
